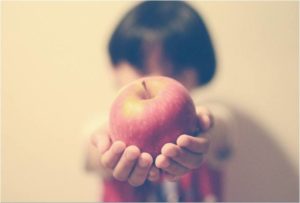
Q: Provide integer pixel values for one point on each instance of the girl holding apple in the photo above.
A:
(168, 39)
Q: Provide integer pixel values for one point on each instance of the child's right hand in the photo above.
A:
(125, 163)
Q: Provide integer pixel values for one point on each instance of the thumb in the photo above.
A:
(205, 118)
(101, 140)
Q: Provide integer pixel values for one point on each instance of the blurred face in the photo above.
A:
(155, 64)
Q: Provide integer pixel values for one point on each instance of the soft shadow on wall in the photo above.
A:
(259, 170)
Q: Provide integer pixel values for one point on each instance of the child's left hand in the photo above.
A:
(178, 159)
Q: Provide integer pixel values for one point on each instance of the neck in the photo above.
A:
(189, 79)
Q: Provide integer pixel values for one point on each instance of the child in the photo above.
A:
(169, 39)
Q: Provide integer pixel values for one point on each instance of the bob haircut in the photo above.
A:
(176, 26)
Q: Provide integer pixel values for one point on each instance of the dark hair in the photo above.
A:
(176, 26)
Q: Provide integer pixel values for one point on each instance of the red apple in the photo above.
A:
(152, 111)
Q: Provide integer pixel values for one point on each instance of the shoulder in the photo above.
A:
(217, 106)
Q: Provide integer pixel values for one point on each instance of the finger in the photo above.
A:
(205, 118)
(194, 144)
(202, 110)
(182, 156)
(170, 166)
(205, 122)
(101, 141)
(140, 172)
(111, 157)
(162, 161)
(127, 161)
(154, 174)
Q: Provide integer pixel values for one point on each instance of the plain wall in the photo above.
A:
(57, 82)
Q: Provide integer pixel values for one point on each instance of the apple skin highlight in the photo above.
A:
(151, 112)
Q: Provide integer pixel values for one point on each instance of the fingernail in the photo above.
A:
(118, 148)
(143, 163)
(173, 153)
(183, 141)
(132, 153)
(206, 122)
(166, 164)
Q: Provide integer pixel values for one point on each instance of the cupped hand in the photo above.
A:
(187, 154)
(126, 163)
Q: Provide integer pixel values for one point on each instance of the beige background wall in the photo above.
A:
(56, 83)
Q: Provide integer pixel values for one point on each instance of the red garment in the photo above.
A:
(193, 187)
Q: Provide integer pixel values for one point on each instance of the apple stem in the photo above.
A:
(147, 93)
